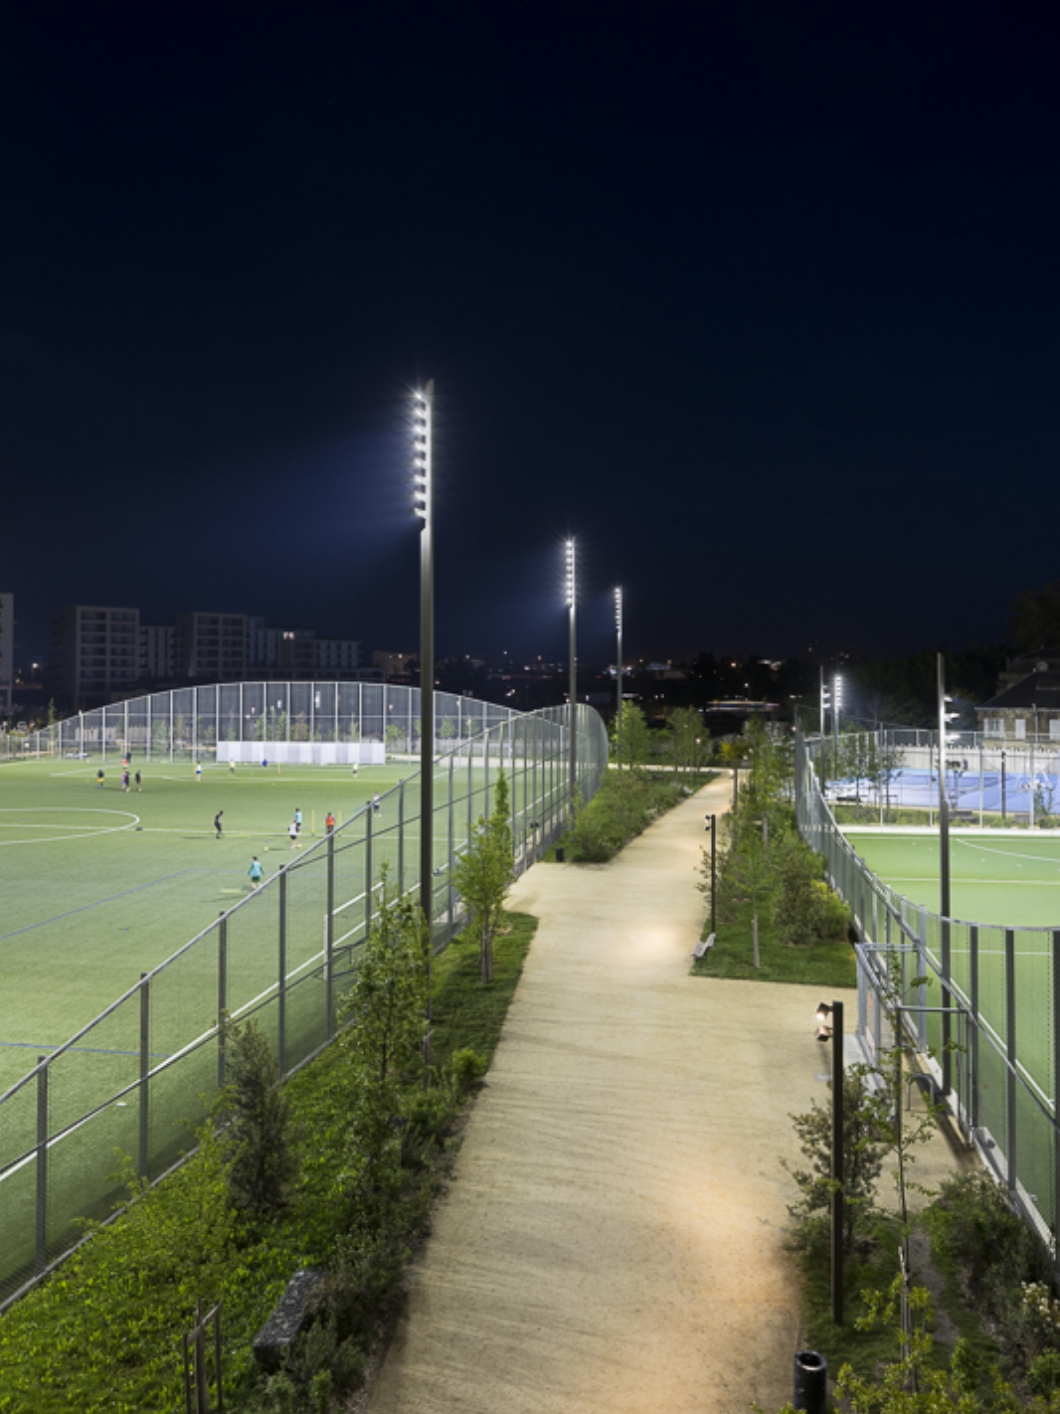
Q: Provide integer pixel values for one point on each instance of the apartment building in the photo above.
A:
(95, 654)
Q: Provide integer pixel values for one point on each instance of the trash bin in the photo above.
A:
(559, 854)
(811, 1382)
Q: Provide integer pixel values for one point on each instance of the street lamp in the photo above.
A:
(423, 501)
(830, 1028)
(572, 596)
(618, 674)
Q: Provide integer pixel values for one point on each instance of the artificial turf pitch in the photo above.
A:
(1009, 886)
(100, 885)
(1008, 880)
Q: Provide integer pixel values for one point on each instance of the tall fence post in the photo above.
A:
(974, 1034)
(222, 996)
(401, 838)
(1056, 1088)
(145, 1066)
(42, 1166)
(449, 858)
(281, 990)
(1010, 1052)
(329, 942)
(368, 869)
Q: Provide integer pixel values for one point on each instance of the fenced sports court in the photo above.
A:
(993, 991)
(135, 1077)
(1018, 781)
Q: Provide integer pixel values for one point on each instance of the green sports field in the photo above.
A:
(99, 885)
(1012, 881)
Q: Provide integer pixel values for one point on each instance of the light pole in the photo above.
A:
(618, 675)
(572, 597)
(830, 1028)
(422, 458)
(944, 869)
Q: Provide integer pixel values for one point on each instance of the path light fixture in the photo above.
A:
(830, 1028)
(423, 505)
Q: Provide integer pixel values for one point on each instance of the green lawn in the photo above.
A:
(993, 879)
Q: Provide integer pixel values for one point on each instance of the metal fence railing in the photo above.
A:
(984, 1022)
(135, 1077)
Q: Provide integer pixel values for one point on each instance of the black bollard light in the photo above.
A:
(811, 1382)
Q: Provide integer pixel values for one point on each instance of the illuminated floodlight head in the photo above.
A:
(618, 609)
(838, 690)
(570, 585)
(421, 454)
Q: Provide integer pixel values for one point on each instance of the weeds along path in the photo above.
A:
(613, 1239)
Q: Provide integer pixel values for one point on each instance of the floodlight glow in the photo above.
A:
(618, 610)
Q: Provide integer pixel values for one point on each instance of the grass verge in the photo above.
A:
(825, 964)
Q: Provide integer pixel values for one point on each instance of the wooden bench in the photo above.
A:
(703, 947)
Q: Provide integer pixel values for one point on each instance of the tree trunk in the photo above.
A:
(486, 954)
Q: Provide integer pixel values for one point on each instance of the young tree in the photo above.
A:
(261, 1163)
(636, 736)
(686, 728)
(386, 1004)
(484, 874)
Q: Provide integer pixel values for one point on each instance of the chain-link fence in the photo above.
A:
(200, 722)
(142, 1072)
(980, 1003)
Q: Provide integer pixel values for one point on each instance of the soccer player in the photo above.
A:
(217, 822)
(329, 822)
(292, 830)
(139, 780)
(198, 770)
(256, 872)
(99, 779)
(298, 820)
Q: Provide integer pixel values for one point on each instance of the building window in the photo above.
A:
(1020, 725)
(1054, 728)
(993, 726)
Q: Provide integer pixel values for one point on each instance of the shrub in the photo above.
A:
(796, 903)
(465, 1067)
(863, 1152)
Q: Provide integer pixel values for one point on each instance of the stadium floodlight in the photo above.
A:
(423, 504)
(837, 702)
(571, 588)
(944, 870)
(618, 674)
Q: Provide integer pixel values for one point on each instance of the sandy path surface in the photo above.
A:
(613, 1239)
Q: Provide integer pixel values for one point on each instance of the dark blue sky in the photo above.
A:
(760, 304)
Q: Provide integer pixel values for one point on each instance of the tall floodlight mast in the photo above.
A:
(423, 498)
(945, 906)
(618, 675)
(572, 597)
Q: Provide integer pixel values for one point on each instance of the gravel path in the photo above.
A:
(613, 1238)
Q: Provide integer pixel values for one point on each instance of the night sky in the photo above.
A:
(761, 304)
